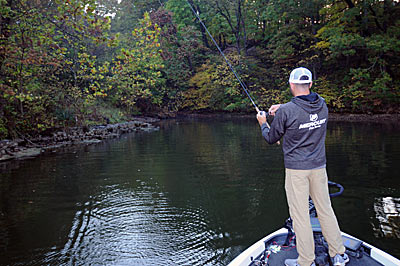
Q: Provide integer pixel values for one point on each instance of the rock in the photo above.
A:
(19, 141)
(6, 157)
(79, 135)
(32, 152)
(12, 144)
(53, 147)
(5, 143)
(91, 141)
(150, 129)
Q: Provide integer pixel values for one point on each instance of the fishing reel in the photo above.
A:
(262, 113)
(270, 118)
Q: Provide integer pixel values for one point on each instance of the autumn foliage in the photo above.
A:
(82, 62)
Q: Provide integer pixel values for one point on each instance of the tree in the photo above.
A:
(136, 76)
(45, 48)
(236, 22)
(362, 38)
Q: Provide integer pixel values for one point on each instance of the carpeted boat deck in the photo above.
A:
(278, 258)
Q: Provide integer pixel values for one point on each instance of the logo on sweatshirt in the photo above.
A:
(313, 117)
(315, 123)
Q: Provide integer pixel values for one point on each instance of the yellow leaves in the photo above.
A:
(136, 72)
(83, 55)
(41, 126)
(322, 45)
(61, 50)
(197, 99)
(100, 94)
(146, 17)
(268, 97)
(26, 97)
(232, 91)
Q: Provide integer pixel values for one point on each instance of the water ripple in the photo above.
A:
(132, 227)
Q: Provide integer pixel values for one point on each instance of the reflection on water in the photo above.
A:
(114, 227)
(387, 211)
(197, 192)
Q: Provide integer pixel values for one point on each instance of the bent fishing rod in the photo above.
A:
(245, 89)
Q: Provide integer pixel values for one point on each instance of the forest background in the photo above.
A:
(83, 62)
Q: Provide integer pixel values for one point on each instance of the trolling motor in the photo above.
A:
(313, 211)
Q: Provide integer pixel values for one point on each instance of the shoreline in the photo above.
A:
(375, 118)
(20, 149)
(23, 148)
(337, 117)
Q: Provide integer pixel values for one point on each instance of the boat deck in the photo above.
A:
(291, 253)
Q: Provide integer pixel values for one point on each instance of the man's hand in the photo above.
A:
(261, 117)
(272, 110)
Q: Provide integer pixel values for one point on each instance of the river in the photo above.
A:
(195, 192)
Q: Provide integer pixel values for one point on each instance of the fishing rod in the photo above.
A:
(226, 60)
(229, 64)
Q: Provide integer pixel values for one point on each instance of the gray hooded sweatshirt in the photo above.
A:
(302, 123)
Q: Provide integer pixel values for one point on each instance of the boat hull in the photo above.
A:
(372, 255)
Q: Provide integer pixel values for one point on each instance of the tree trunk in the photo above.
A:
(264, 26)
(349, 3)
(238, 26)
(364, 32)
(243, 17)
(224, 12)
(203, 31)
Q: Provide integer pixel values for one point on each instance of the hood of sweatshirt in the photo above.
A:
(311, 103)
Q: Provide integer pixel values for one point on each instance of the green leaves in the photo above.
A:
(363, 45)
(214, 87)
(47, 60)
(136, 72)
(147, 56)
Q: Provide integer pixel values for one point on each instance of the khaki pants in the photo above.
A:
(299, 184)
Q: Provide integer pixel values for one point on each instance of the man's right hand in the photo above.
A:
(272, 110)
(261, 117)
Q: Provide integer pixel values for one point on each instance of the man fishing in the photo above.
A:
(302, 124)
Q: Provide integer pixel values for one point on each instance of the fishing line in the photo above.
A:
(223, 55)
(229, 64)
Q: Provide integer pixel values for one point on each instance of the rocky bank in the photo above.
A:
(26, 148)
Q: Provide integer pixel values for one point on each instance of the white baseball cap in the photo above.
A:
(300, 75)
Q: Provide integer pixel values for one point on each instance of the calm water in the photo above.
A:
(196, 192)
